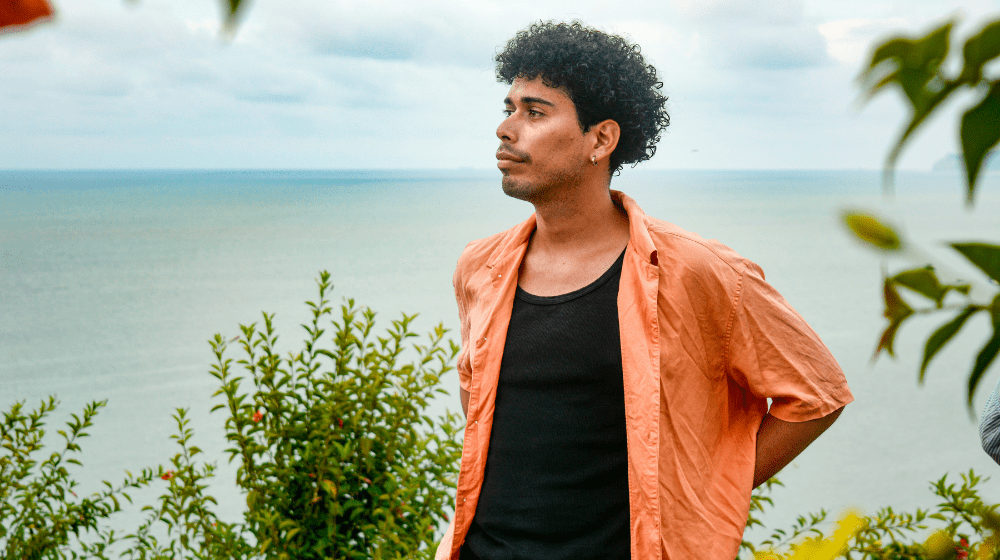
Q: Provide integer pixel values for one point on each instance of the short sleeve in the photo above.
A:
(464, 365)
(989, 427)
(774, 354)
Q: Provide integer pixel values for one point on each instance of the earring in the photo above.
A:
(593, 159)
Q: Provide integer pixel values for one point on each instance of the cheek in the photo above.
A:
(562, 143)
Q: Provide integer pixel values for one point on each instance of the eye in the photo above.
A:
(534, 113)
(508, 112)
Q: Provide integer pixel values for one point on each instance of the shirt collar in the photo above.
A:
(639, 239)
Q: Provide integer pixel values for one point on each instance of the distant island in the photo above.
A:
(954, 163)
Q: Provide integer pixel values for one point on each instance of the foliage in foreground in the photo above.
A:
(964, 527)
(336, 457)
(916, 66)
(40, 512)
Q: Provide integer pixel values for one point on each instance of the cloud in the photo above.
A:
(374, 83)
(849, 40)
(747, 34)
(741, 11)
(444, 32)
(768, 48)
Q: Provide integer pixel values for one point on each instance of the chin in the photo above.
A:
(518, 189)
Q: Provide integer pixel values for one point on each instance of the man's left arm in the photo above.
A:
(779, 442)
(775, 355)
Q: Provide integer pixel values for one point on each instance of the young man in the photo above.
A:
(615, 370)
(989, 426)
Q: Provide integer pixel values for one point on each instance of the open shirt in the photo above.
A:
(705, 343)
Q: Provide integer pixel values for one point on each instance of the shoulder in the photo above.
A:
(476, 254)
(479, 254)
(679, 250)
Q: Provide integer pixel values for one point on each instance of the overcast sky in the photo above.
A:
(752, 84)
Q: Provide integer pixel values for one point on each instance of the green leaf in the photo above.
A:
(912, 63)
(983, 361)
(897, 311)
(978, 50)
(943, 335)
(983, 255)
(873, 231)
(924, 282)
(897, 48)
(980, 132)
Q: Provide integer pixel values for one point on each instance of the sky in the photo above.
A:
(372, 84)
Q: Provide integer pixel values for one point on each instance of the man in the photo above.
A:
(989, 426)
(615, 370)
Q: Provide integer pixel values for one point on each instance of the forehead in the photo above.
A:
(535, 89)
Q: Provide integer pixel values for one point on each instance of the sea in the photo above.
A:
(112, 283)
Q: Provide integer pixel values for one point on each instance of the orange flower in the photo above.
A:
(167, 475)
(368, 480)
(257, 416)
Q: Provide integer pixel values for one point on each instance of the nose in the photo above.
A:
(505, 131)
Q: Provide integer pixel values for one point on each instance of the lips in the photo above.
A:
(506, 156)
(506, 153)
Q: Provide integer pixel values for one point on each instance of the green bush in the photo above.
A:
(40, 513)
(340, 462)
(962, 526)
(335, 455)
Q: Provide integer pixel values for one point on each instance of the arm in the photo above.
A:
(778, 442)
(463, 365)
(464, 396)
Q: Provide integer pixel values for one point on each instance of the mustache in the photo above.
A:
(507, 150)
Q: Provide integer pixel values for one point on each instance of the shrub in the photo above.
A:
(335, 453)
(39, 508)
(967, 528)
(336, 456)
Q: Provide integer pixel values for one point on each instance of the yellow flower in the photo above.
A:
(828, 549)
(986, 549)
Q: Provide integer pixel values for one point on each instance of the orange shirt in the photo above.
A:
(705, 342)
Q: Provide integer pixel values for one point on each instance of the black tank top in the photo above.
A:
(556, 481)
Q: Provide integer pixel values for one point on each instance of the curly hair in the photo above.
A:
(604, 75)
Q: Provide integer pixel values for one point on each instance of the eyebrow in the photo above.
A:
(530, 100)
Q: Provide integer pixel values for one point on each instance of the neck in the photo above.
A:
(581, 218)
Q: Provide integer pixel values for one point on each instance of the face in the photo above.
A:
(542, 148)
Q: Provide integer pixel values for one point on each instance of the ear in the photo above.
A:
(605, 136)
